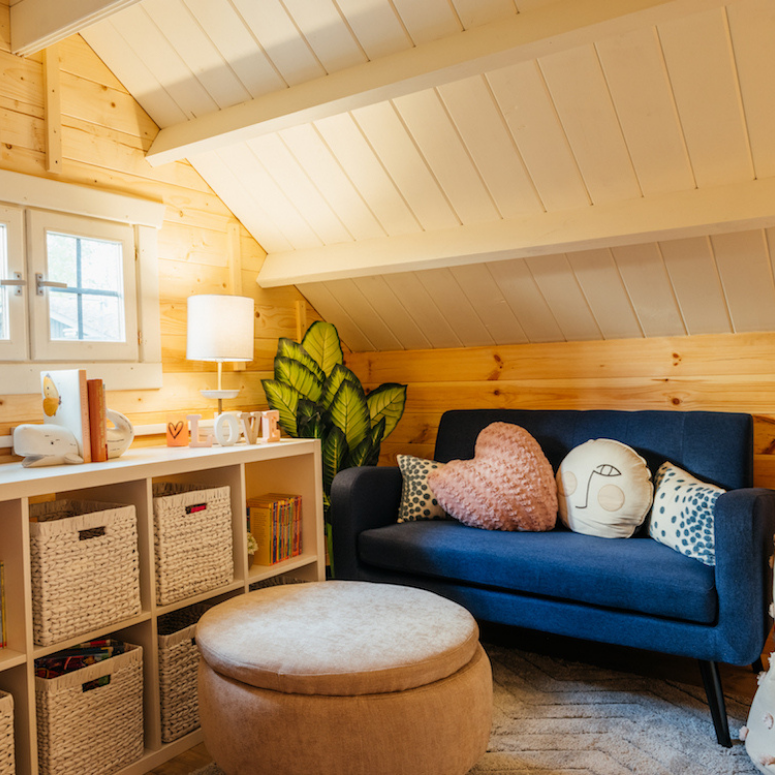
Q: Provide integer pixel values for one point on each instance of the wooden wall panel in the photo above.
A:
(724, 372)
(105, 135)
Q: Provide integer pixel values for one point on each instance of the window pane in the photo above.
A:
(104, 318)
(62, 259)
(92, 306)
(63, 309)
(101, 265)
(3, 276)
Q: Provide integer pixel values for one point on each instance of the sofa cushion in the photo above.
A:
(604, 489)
(638, 575)
(508, 485)
(716, 446)
(682, 517)
(417, 498)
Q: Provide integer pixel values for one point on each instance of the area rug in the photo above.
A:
(559, 717)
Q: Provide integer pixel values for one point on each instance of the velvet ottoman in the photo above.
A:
(343, 678)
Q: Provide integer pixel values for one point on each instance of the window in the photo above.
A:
(78, 284)
(84, 295)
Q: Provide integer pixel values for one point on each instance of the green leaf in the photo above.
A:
(287, 348)
(364, 452)
(377, 434)
(322, 342)
(298, 376)
(387, 401)
(334, 453)
(285, 400)
(309, 420)
(334, 381)
(350, 413)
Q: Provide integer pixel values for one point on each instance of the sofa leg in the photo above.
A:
(718, 711)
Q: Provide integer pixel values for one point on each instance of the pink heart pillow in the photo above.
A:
(509, 484)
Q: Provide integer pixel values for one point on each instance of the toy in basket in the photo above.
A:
(89, 708)
(192, 540)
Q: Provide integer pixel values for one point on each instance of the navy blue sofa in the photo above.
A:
(633, 592)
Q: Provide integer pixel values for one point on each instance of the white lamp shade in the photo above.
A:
(220, 328)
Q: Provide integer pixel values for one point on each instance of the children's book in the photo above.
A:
(274, 519)
(66, 403)
(98, 420)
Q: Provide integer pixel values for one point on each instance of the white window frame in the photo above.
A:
(39, 224)
(139, 367)
(14, 348)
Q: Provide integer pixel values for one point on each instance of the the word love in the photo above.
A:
(229, 428)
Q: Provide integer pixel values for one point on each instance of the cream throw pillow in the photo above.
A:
(604, 489)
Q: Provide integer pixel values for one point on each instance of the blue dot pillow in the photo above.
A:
(682, 515)
(417, 499)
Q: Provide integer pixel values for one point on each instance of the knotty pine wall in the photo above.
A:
(104, 137)
(725, 372)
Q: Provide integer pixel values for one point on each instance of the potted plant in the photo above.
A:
(318, 397)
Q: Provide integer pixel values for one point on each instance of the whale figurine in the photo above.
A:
(45, 445)
(121, 435)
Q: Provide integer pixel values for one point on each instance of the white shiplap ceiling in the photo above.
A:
(435, 173)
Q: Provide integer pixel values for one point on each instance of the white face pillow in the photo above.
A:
(604, 489)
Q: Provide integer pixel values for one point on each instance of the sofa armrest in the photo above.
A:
(744, 528)
(361, 498)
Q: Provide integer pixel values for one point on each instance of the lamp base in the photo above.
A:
(219, 393)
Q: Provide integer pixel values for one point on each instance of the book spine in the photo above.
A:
(84, 394)
(97, 420)
(297, 526)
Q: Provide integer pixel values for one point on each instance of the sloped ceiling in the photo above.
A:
(436, 173)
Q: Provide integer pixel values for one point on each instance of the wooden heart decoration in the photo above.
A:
(174, 429)
(177, 433)
(508, 485)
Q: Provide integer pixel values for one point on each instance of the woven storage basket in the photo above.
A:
(95, 731)
(85, 570)
(193, 540)
(178, 664)
(7, 759)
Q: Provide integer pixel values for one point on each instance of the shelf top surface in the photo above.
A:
(142, 463)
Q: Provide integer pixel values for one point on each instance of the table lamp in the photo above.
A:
(220, 328)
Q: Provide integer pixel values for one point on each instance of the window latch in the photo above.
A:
(17, 282)
(40, 284)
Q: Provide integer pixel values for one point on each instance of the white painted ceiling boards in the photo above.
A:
(437, 173)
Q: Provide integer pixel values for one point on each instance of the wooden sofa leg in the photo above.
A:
(718, 711)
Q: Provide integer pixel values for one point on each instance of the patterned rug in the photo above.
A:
(557, 717)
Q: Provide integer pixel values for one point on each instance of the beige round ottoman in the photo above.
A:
(343, 678)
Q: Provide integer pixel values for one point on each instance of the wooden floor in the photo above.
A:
(736, 680)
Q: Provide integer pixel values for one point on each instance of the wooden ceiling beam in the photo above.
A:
(37, 24)
(545, 30)
(698, 212)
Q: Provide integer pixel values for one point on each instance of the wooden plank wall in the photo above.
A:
(105, 134)
(726, 372)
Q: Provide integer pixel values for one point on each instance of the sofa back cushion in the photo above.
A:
(714, 446)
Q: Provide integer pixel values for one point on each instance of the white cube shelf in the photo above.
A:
(290, 465)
